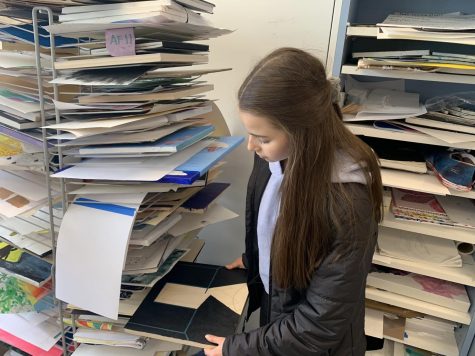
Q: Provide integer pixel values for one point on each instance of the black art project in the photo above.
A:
(191, 301)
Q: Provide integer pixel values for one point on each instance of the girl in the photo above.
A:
(313, 204)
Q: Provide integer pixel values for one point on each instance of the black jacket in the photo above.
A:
(328, 317)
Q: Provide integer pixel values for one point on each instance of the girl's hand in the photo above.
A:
(218, 350)
(237, 263)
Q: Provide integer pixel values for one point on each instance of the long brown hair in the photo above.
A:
(290, 88)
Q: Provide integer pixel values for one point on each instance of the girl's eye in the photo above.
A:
(261, 141)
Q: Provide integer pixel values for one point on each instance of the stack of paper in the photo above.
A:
(151, 348)
(31, 232)
(406, 156)
(445, 122)
(424, 64)
(454, 122)
(149, 238)
(19, 92)
(21, 192)
(452, 28)
(437, 291)
(417, 206)
(143, 155)
(428, 208)
(423, 60)
(24, 218)
(30, 331)
(24, 266)
(432, 334)
(112, 338)
(175, 20)
(409, 246)
(379, 101)
(25, 287)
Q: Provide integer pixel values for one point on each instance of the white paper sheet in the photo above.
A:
(370, 116)
(152, 348)
(417, 305)
(453, 21)
(432, 334)
(460, 210)
(128, 125)
(62, 106)
(431, 290)
(107, 337)
(373, 323)
(120, 189)
(190, 221)
(78, 125)
(391, 84)
(92, 244)
(152, 233)
(29, 189)
(149, 258)
(447, 136)
(413, 181)
(121, 137)
(410, 246)
(43, 335)
(151, 169)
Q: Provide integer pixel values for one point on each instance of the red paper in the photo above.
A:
(27, 347)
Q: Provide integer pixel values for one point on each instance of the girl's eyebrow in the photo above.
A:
(260, 136)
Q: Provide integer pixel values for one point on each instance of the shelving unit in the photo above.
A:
(357, 32)
(464, 275)
(427, 183)
(432, 77)
(443, 232)
(419, 306)
(215, 118)
(366, 130)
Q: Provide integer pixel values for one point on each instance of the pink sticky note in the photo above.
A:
(120, 42)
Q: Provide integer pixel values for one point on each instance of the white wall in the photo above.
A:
(260, 26)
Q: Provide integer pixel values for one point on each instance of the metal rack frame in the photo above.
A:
(65, 340)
